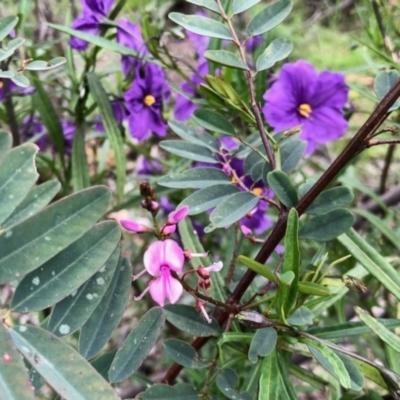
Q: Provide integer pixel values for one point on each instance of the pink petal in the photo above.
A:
(133, 226)
(216, 267)
(153, 258)
(165, 286)
(178, 215)
(173, 255)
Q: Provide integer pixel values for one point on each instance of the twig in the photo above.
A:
(385, 170)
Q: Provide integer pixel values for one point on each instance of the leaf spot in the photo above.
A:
(100, 281)
(64, 329)
(36, 280)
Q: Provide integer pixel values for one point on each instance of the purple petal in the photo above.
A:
(140, 125)
(330, 90)
(88, 24)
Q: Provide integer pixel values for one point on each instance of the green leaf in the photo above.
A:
(252, 378)
(188, 320)
(40, 65)
(306, 186)
(49, 117)
(183, 354)
(190, 151)
(381, 226)
(354, 328)
(80, 171)
(193, 135)
(209, 4)
(208, 198)
(239, 337)
(5, 144)
(61, 366)
(262, 344)
(291, 263)
(201, 25)
(287, 390)
(6, 74)
(239, 6)
(102, 363)
(291, 153)
(14, 380)
(283, 188)
(269, 18)
(330, 199)
(213, 121)
(181, 391)
(258, 268)
(302, 316)
(372, 261)
(68, 270)
(48, 232)
(327, 226)
(276, 51)
(313, 289)
(226, 58)
(384, 334)
(383, 83)
(270, 387)
(227, 380)
(252, 159)
(14, 44)
(35, 200)
(105, 318)
(232, 209)
(137, 345)
(21, 80)
(7, 24)
(17, 176)
(195, 178)
(111, 128)
(72, 312)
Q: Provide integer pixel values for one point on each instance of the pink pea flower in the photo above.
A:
(133, 226)
(177, 215)
(159, 260)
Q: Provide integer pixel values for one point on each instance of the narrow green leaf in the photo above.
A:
(39, 65)
(313, 289)
(208, 198)
(262, 344)
(102, 364)
(35, 200)
(68, 270)
(7, 24)
(276, 51)
(226, 58)
(269, 18)
(328, 226)
(227, 380)
(80, 171)
(291, 153)
(71, 376)
(112, 131)
(188, 320)
(14, 44)
(209, 4)
(201, 25)
(283, 188)
(184, 354)
(239, 337)
(17, 176)
(137, 345)
(50, 231)
(5, 144)
(180, 391)
(287, 390)
(354, 328)
(72, 312)
(213, 121)
(302, 316)
(195, 178)
(372, 261)
(270, 387)
(193, 135)
(385, 334)
(330, 199)
(105, 318)
(291, 263)
(259, 268)
(329, 360)
(190, 151)
(49, 117)
(14, 380)
(382, 84)
(252, 379)
(239, 6)
(232, 209)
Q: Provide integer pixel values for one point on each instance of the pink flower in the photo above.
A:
(177, 215)
(133, 226)
(159, 260)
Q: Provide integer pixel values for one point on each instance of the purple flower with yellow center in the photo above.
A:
(160, 259)
(93, 11)
(302, 97)
(144, 101)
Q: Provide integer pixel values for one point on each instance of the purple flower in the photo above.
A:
(93, 11)
(119, 112)
(31, 126)
(144, 101)
(129, 35)
(302, 97)
(14, 89)
(253, 43)
(159, 260)
(184, 107)
(145, 166)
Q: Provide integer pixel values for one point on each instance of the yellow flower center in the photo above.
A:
(304, 110)
(234, 180)
(257, 191)
(149, 100)
(1, 84)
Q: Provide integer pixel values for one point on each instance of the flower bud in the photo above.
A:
(177, 215)
(167, 230)
(133, 226)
